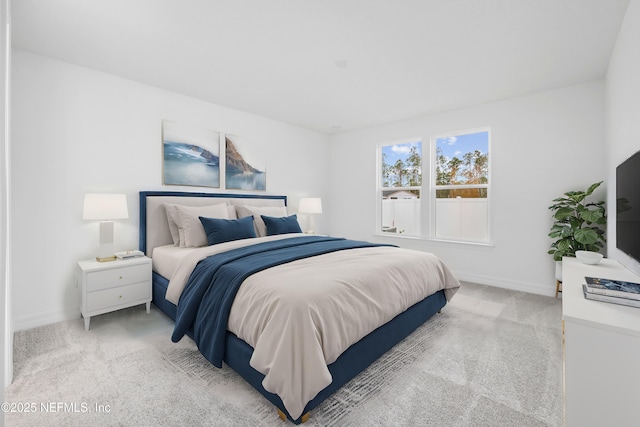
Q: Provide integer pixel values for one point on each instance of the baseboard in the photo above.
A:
(41, 319)
(548, 289)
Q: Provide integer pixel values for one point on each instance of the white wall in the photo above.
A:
(76, 130)
(623, 112)
(6, 359)
(541, 146)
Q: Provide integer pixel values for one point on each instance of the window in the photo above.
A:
(400, 187)
(457, 208)
(461, 190)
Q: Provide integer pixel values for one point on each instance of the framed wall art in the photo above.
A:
(242, 173)
(191, 156)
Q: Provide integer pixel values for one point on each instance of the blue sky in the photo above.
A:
(451, 146)
(457, 146)
(399, 151)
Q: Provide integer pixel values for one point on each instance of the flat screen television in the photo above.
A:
(628, 206)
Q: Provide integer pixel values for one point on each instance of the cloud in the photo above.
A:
(448, 140)
(401, 149)
(457, 153)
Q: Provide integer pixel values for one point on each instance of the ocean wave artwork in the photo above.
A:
(191, 156)
(186, 164)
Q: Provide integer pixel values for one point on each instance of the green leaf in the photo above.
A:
(586, 236)
(563, 213)
(563, 245)
(566, 232)
(575, 222)
(577, 196)
(592, 188)
(591, 216)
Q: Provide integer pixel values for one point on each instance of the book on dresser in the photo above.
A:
(613, 288)
(606, 298)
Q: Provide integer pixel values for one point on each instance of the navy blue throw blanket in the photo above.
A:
(206, 300)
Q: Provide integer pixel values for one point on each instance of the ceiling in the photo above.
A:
(331, 65)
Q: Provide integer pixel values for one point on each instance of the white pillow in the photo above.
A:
(189, 222)
(256, 211)
(172, 216)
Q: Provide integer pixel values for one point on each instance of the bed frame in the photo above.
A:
(154, 231)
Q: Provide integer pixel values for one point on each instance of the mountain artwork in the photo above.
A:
(240, 175)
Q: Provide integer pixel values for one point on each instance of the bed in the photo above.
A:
(287, 311)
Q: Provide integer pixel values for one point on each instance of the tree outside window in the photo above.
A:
(401, 171)
(462, 186)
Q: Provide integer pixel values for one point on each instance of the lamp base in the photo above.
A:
(106, 242)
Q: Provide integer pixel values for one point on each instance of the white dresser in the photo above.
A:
(601, 351)
(110, 286)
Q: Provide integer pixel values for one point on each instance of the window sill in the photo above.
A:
(437, 241)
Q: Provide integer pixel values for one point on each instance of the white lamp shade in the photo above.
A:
(310, 205)
(105, 206)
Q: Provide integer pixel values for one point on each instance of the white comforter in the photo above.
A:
(299, 317)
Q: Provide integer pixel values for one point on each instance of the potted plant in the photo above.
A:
(578, 225)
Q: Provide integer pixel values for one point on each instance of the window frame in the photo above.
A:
(428, 190)
(380, 189)
(433, 187)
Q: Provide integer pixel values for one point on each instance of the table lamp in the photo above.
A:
(310, 206)
(105, 208)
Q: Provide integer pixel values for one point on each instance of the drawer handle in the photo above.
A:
(120, 296)
(120, 278)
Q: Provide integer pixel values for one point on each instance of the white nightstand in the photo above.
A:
(110, 286)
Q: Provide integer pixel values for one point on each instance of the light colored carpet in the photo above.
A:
(493, 357)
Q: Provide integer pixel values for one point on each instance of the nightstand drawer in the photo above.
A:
(105, 279)
(118, 296)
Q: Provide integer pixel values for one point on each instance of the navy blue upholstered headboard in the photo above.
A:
(154, 228)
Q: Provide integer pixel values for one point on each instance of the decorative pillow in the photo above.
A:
(256, 211)
(282, 225)
(189, 222)
(170, 209)
(226, 230)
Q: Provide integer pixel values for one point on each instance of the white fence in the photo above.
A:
(456, 219)
(401, 216)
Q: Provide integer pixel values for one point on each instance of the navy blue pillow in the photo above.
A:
(226, 230)
(286, 224)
